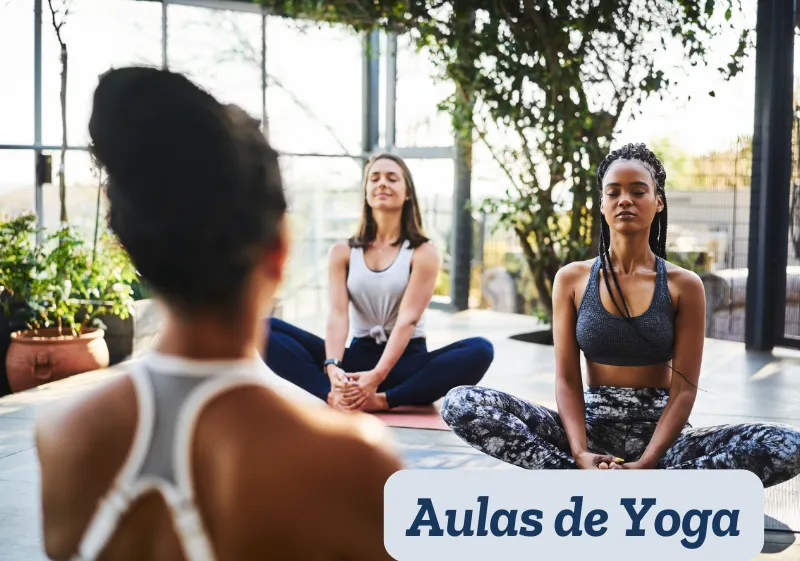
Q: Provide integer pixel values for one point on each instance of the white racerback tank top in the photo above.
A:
(375, 296)
(171, 393)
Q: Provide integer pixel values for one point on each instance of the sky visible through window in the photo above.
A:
(314, 89)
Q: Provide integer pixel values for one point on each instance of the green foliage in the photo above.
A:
(715, 170)
(18, 257)
(141, 290)
(693, 261)
(61, 282)
(543, 84)
(679, 163)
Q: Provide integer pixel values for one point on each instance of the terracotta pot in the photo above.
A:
(42, 356)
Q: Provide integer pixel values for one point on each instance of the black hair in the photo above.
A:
(658, 228)
(194, 189)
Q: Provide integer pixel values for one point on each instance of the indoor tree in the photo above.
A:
(59, 12)
(544, 84)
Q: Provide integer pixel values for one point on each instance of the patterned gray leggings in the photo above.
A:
(620, 422)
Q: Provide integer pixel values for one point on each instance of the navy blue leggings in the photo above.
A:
(420, 377)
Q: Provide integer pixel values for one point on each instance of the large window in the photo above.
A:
(16, 181)
(419, 91)
(100, 34)
(220, 50)
(314, 95)
(325, 203)
(16, 103)
(313, 109)
(83, 193)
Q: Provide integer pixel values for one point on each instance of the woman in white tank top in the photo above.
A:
(188, 455)
(381, 282)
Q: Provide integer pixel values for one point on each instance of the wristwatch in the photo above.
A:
(334, 361)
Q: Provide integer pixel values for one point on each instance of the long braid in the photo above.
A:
(662, 224)
(658, 229)
(606, 256)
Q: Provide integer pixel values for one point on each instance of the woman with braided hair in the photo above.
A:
(640, 322)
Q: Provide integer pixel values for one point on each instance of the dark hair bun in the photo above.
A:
(194, 188)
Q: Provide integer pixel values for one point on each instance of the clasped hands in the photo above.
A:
(353, 391)
(589, 460)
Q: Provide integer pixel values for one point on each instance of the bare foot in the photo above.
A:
(376, 402)
(335, 401)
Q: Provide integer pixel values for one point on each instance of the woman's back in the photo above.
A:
(190, 456)
(269, 479)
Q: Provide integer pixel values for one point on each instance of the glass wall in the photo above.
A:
(324, 204)
(99, 34)
(221, 50)
(313, 110)
(313, 104)
(16, 181)
(420, 124)
(314, 88)
(16, 108)
(16, 103)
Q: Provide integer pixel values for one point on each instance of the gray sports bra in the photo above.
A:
(606, 338)
(171, 393)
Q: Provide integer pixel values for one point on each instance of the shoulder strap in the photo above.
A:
(122, 493)
(127, 486)
(356, 259)
(661, 278)
(188, 521)
(405, 255)
(187, 421)
(591, 294)
(594, 275)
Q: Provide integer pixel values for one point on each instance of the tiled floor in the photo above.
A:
(739, 386)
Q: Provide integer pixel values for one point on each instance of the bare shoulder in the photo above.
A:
(576, 268)
(78, 419)
(687, 284)
(256, 452)
(339, 252)
(427, 253)
(572, 273)
(297, 439)
(683, 277)
(81, 443)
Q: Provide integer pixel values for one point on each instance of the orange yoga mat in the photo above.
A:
(414, 417)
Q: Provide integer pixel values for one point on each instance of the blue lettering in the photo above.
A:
(674, 525)
(700, 532)
(466, 529)
(511, 523)
(636, 518)
(531, 518)
(574, 515)
(484, 502)
(595, 518)
(733, 521)
(433, 523)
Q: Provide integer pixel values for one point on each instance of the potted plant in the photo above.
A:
(67, 287)
(17, 256)
(118, 317)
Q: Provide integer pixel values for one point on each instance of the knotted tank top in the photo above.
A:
(375, 296)
(642, 340)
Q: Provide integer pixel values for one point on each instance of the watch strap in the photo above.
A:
(334, 361)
